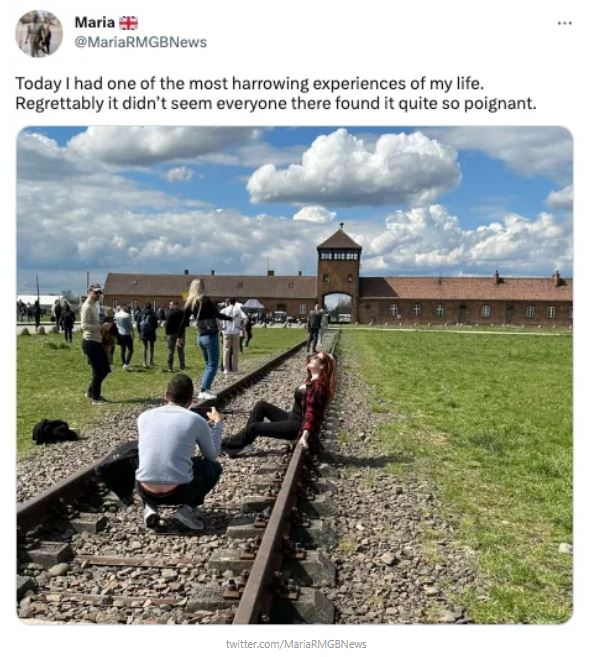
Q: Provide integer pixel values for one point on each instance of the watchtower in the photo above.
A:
(338, 268)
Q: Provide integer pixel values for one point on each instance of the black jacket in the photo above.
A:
(176, 323)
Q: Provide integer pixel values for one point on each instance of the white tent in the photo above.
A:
(45, 300)
(252, 304)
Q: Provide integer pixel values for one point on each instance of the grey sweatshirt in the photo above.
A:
(167, 441)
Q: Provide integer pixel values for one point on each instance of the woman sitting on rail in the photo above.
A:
(206, 313)
(304, 419)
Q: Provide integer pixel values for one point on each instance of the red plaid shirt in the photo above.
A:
(313, 405)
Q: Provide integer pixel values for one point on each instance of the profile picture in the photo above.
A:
(38, 33)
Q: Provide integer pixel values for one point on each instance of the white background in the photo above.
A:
(515, 47)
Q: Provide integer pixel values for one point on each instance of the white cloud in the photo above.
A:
(76, 214)
(429, 239)
(528, 151)
(561, 200)
(315, 213)
(146, 145)
(340, 169)
(178, 174)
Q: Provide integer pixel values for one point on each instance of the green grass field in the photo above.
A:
(488, 419)
(52, 378)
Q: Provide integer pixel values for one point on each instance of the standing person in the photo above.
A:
(175, 325)
(313, 326)
(67, 320)
(304, 419)
(125, 328)
(323, 328)
(231, 330)
(200, 305)
(168, 473)
(37, 313)
(247, 329)
(109, 334)
(57, 313)
(147, 325)
(90, 325)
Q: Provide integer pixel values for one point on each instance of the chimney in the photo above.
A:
(212, 272)
(556, 278)
(186, 271)
(270, 272)
(496, 277)
(300, 273)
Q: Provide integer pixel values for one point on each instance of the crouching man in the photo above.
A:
(168, 472)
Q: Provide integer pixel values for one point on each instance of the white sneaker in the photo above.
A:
(188, 518)
(125, 367)
(151, 517)
(206, 395)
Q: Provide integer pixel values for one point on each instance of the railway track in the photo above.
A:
(84, 558)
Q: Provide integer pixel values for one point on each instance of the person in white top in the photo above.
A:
(231, 331)
(125, 328)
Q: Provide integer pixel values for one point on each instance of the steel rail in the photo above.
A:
(257, 587)
(33, 511)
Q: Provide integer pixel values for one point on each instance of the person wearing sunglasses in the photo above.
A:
(304, 419)
(90, 324)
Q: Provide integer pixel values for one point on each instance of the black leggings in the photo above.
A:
(282, 425)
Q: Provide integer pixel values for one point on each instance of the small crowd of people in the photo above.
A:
(102, 332)
(29, 312)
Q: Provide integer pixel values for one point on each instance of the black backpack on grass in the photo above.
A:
(52, 431)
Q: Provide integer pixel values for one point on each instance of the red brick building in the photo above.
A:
(418, 300)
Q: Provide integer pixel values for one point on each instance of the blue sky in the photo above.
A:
(421, 201)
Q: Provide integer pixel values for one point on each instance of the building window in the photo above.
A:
(486, 310)
(326, 278)
(291, 285)
(393, 310)
(349, 278)
(439, 311)
(530, 312)
(551, 312)
(240, 284)
(303, 309)
(352, 255)
(416, 310)
(281, 307)
(570, 313)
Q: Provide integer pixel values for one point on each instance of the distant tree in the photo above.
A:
(70, 297)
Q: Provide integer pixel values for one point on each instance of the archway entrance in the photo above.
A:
(339, 307)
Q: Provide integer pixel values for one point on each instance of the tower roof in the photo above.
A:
(339, 240)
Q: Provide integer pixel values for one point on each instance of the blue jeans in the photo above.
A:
(211, 351)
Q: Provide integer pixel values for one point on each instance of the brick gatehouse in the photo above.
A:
(419, 300)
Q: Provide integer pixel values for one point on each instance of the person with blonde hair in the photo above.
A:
(304, 419)
(206, 314)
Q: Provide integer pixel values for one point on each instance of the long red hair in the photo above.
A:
(327, 374)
